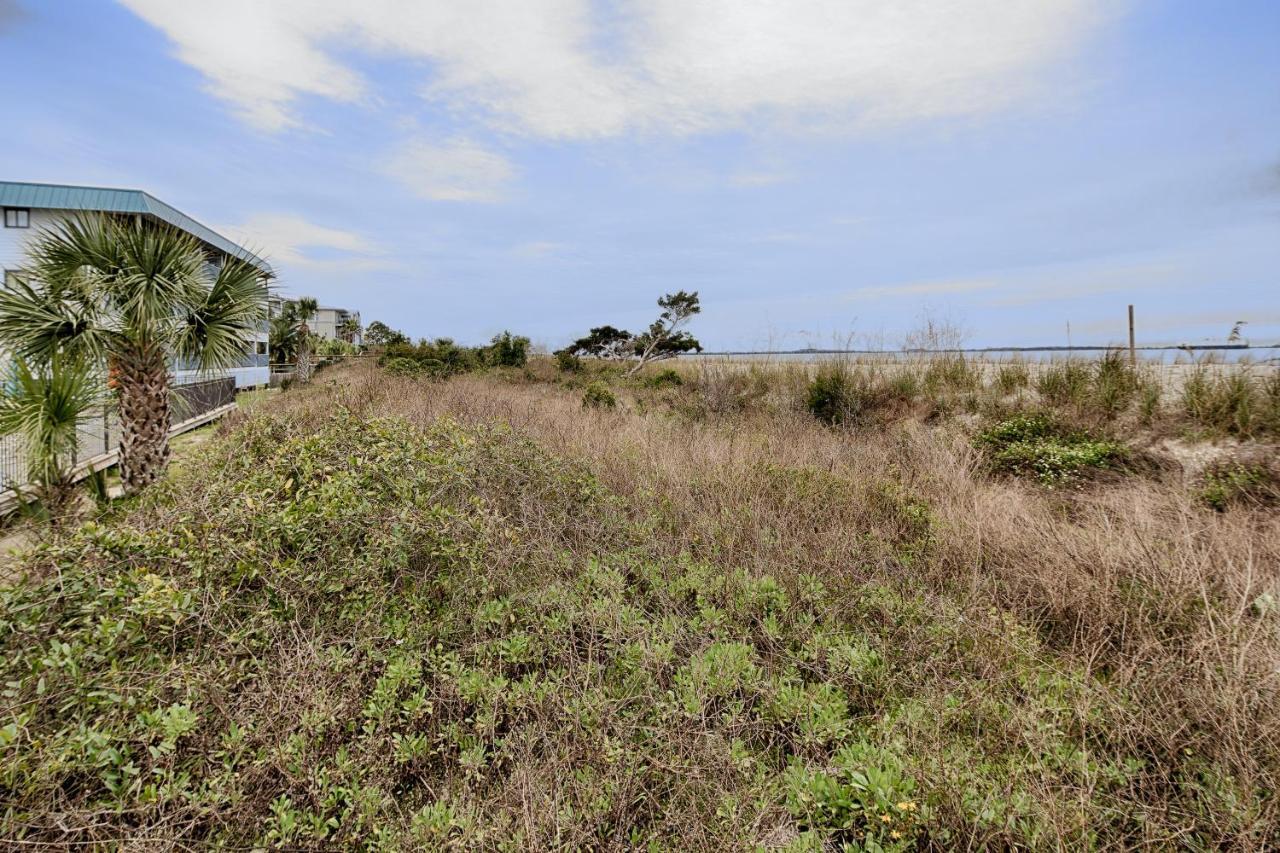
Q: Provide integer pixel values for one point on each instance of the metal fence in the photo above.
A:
(100, 433)
(196, 398)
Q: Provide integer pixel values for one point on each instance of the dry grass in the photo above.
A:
(1094, 666)
(1135, 581)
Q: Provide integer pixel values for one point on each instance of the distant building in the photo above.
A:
(29, 207)
(329, 323)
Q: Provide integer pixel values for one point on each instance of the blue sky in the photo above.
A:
(814, 169)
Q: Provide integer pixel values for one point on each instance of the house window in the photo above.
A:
(17, 217)
(262, 347)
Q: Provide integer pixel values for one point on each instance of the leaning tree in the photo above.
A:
(665, 338)
(132, 297)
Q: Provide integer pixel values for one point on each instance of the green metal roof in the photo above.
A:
(107, 200)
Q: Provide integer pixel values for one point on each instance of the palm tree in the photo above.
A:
(349, 329)
(283, 335)
(132, 296)
(45, 407)
(305, 309)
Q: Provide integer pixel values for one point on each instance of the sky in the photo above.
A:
(820, 171)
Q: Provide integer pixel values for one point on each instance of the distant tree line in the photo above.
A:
(445, 357)
(666, 337)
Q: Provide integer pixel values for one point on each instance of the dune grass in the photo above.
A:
(403, 614)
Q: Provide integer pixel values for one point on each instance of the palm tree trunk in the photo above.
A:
(143, 378)
(303, 369)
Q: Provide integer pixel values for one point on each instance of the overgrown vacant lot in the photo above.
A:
(406, 613)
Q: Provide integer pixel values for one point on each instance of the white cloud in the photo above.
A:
(451, 171)
(570, 69)
(291, 242)
(733, 62)
(258, 56)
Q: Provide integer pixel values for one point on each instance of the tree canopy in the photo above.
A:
(379, 334)
(665, 337)
(603, 342)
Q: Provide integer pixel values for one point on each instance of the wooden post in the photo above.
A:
(1133, 352)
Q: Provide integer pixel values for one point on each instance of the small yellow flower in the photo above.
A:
(884, 818)
(906, 806)
(895, 834)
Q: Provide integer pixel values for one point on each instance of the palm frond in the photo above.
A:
(216, 331)
(73, 254)
(164, 270)
(38, 322)
(45, 405)
(306, 308)
(283, 338)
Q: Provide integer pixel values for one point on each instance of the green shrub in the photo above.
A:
(1270, 386)
(903, 384)
(1020, 428)
(1114, 383)
(1055, 460)
(829, 394)
(401, 366)
(814, 715)
(1232, 399)
(1065, 383)
(665, 378)
(440, 357)
(598, 396)
(1234, 483)
(865, 801)
(1037, 445)
(853, 394)
(567, 361)
(330, 347)
(721, 672)
(1012, 377)
(950, 372)
(506, 350)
